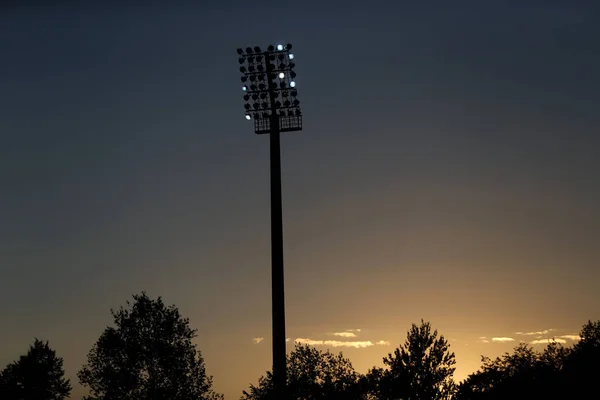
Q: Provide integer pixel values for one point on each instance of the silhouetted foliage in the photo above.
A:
(420, 369)
(555, 373)
(37, 375)
(582, 367)
(371, 384)
(148, 355)
(525, 373)
(312, 374)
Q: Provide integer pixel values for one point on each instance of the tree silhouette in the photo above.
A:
(555, 373)
(148, 355)
(525, 373)
(37, 375)
(312, 374)
(421, 369)
(582, 367)
(373, 384)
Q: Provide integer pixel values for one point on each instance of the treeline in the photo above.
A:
(148, 355)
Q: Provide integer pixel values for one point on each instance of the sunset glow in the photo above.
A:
(446, 171)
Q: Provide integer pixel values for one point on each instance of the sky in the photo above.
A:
(447, 170)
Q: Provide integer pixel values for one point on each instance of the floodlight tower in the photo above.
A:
(271, 102)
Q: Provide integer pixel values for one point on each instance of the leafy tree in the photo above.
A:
(421, 369)
(582, 369)
(500, 377)
(37, 375)
(590, 335)
(556, 372)
(524, 374)
(312, 374)
(147, 355)
(374, 384)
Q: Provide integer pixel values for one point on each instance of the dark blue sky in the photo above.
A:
(449, 154)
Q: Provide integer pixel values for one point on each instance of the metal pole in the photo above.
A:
(277, 275)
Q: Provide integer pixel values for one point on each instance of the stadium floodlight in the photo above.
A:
(271, 101)
(272, 75)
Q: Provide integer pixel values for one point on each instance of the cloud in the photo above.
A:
(334, 343)
(348, 333)
(339, 343)
(287, 339)
(344, 334)
(483, 341)
(539, 333)
(546, 341)
(257, 340)
(559, 339)
(502, 339)
(570, 337)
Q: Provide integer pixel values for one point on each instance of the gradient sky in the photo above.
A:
(447, 171)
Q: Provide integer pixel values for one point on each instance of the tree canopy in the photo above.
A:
(148, 354)
(554, 373)
(38, 375)
(421, 369)
(312, 374)
(525, 372)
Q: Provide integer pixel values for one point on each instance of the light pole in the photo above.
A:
(271, 102)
